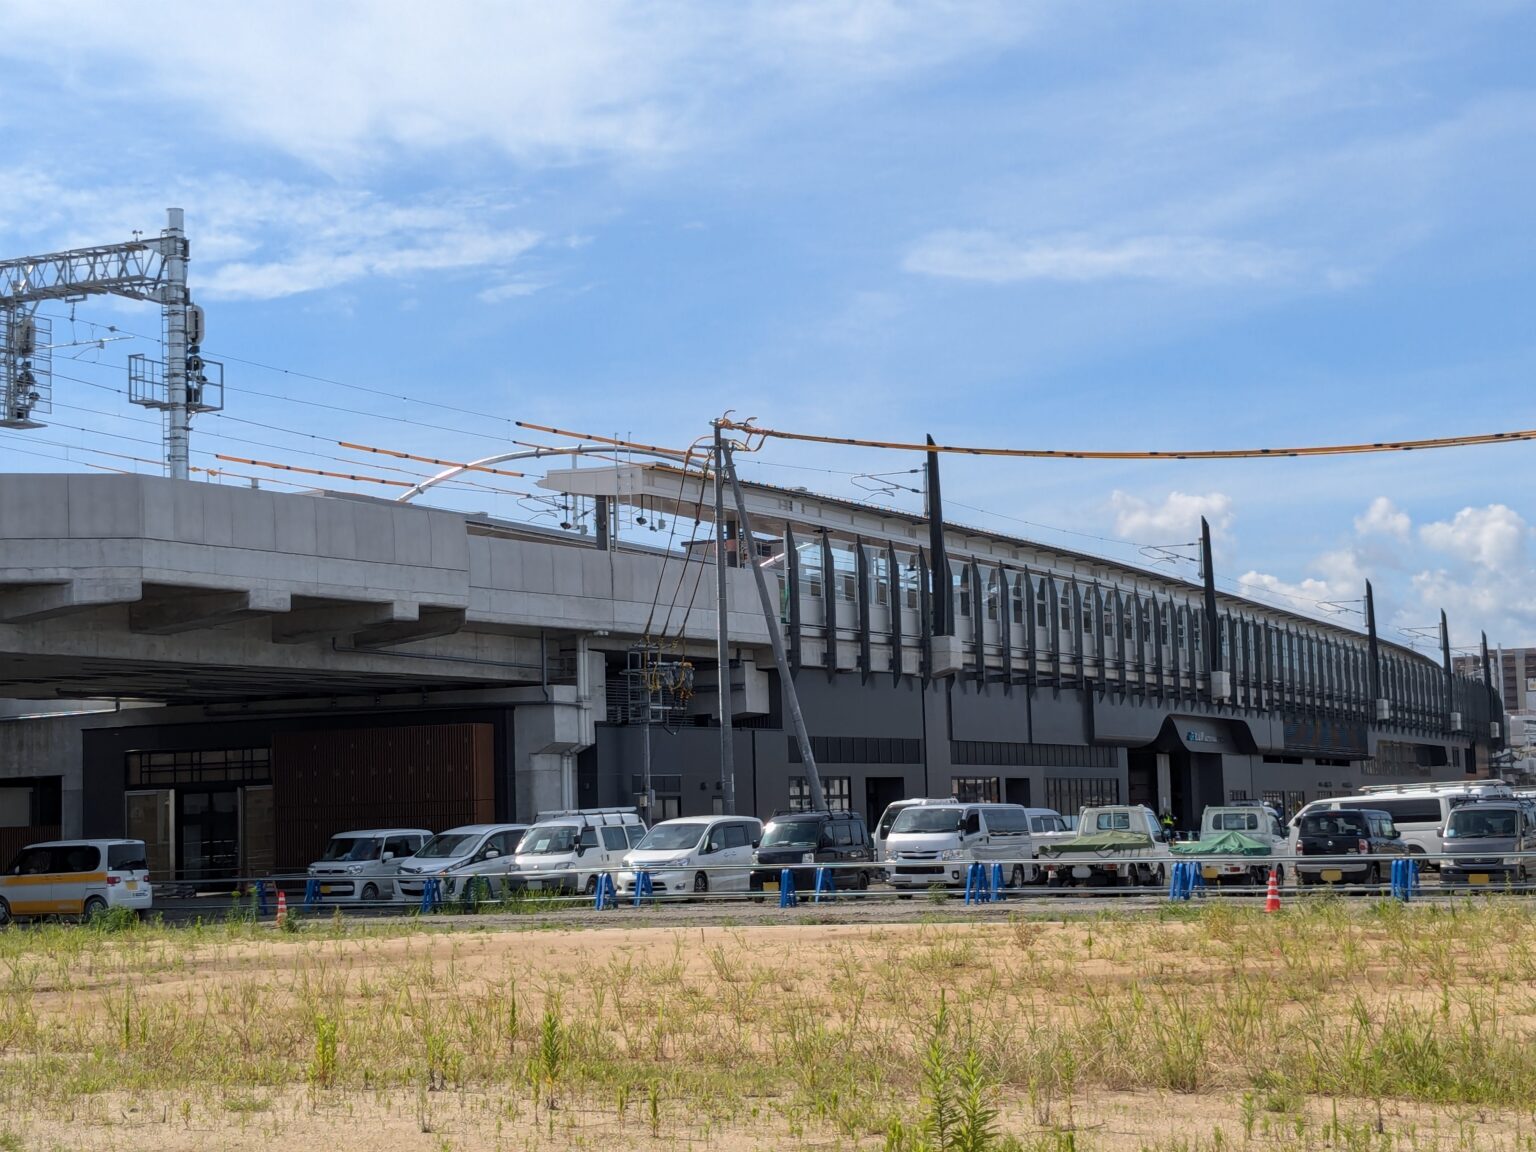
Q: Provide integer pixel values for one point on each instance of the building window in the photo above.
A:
(1236, 794)
(993, 594)
(837, 789)
(974, 789)
(222, 766)
(1040, 606)
(1066, 608)
(1294, 802)
(880, 573)
(962, 586)
(1275, 800)
(1069, 795)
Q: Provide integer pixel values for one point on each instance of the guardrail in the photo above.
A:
(980, 882)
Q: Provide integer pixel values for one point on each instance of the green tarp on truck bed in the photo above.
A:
(1099, 842)
(1223, 844)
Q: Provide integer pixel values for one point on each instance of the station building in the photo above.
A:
(232, 675)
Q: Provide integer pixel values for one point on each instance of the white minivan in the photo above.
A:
(694, 854)
(935, 843)
(894, 809)
(567, 851)
(76, 878)
(1419, 811)
(456, 850)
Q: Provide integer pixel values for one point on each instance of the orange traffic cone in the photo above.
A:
(282, 902)
(1272, 894)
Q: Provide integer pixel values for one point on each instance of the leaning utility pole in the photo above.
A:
(770, 617)
(723, 631)
(155, 270)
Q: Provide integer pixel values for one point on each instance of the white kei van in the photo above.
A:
(935, 843)
(567, 851)
(694, 854)
(1419, 811)
(894, 809)
(76, 878)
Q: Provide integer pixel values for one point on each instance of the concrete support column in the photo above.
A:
(545, 740)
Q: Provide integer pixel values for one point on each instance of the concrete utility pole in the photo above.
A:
(770, 617)
(174, 303)
(723, 630)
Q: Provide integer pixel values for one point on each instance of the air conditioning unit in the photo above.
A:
(1383, 711)
(1221, 685)
(1456, 725)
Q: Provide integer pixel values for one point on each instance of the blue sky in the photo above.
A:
(1066, 226)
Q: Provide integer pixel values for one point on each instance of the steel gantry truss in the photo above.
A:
(179, 383)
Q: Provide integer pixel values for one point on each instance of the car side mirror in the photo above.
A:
(386, 856)
(581, 849)
(756, 843)
(491, 854)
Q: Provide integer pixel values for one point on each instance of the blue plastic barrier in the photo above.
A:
(1405, 878)
(1184, 877)
(644, 889)
(787, 897)
(605, 895)
(431, 895)
(311, 893)
(261, 897)
(978, 884)
(826, 885)
(997, 882)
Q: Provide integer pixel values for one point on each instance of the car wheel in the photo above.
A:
(700, 882)
(370, 893)
(5, 911)
(1017, 879)
(591, 886)
(862, 883)
(93, 907)
(1373, 876)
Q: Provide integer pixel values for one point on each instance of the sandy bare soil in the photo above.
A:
(1099, 1035)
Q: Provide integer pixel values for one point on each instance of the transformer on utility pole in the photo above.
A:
(180, 382)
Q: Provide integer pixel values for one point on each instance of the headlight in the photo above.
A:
(952, 854)
(354, 869)
(1513, 862)
(808, 858)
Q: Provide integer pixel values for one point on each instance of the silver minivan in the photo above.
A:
(1486, 842)
(361, 865)
(458, 849)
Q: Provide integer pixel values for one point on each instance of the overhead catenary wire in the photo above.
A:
(751, 429)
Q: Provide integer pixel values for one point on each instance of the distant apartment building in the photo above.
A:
(1514, 675)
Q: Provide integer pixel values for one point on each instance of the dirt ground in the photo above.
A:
(709, 966)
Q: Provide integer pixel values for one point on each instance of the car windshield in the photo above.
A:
(447, 846)
(927, 820)
(782, 833)
(1466, 822)
(352, 848)
(548, 840)
(671, 837)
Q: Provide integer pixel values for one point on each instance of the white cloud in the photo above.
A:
(348, 81)
(1493, 537)
(1338, 583)
(1174, 520)
(260, 240)
(996, 259)
(1384, 518)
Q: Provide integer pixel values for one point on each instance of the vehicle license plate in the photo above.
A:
(133, 885)
(1332, 875)
(1477, 878)
(770, 885)
(325, 889)
(1211, 873)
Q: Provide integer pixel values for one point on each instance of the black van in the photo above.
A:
(809, 839)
